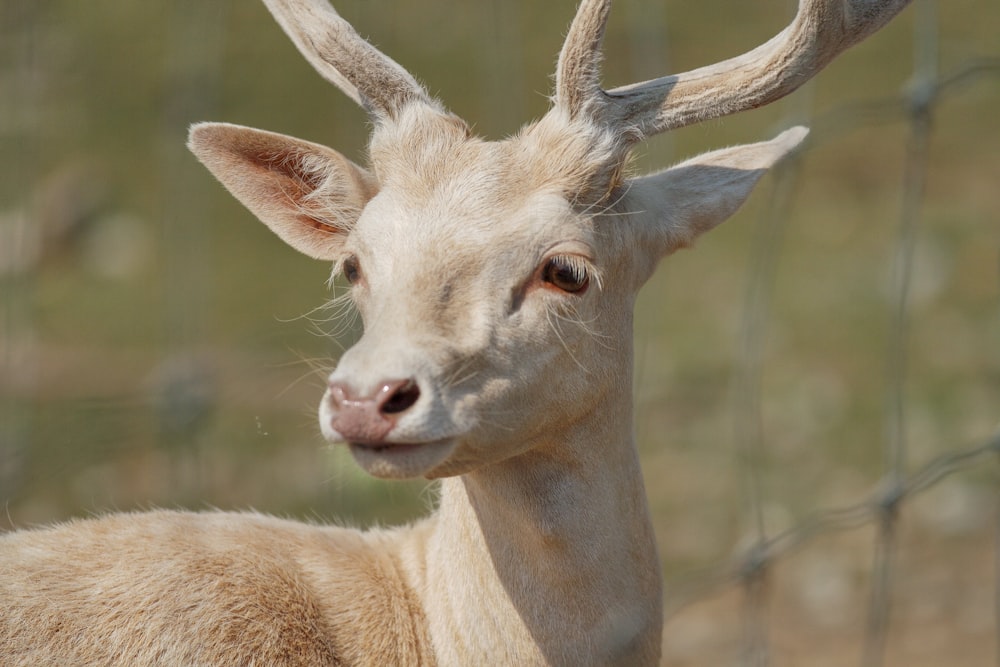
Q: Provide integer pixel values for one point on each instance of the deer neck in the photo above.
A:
(548, 557)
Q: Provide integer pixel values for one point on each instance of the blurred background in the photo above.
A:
(838, 338)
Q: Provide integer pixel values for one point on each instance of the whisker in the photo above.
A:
(555, 329)
(458, 375)
(572, 317)
(319, 367)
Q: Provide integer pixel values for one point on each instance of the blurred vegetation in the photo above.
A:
(160, 348)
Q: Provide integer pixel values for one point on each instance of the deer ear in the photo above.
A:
(308, 194)
(683, 202)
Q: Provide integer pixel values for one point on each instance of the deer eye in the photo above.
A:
(352, 270)
(567, 273)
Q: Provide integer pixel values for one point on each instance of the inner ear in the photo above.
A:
(308, 194)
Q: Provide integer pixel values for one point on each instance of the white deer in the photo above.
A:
(496, 281)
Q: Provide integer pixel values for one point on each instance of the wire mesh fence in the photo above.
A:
(751, 569)
(144, 418)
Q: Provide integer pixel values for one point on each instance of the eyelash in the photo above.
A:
(568, 273)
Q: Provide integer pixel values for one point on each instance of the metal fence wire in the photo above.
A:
(752, 569)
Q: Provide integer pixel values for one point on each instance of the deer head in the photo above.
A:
(496, 279)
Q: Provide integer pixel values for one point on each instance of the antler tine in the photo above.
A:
(344, 58)
(578, 86)
(821, 30)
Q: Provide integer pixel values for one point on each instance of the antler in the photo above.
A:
(821, 30)
(342, 57)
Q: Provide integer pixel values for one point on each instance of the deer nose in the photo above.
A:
(369, 419)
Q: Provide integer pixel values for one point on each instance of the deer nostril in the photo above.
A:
(399, 397)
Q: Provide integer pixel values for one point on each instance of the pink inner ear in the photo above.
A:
(308, 194)
(286, 174)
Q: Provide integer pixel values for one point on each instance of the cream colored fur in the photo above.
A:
(511, 382)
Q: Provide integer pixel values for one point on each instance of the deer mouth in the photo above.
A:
(386, 447)
(400, 460)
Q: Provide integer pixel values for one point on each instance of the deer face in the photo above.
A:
(480, 285)
(477, 325)
(495, 286)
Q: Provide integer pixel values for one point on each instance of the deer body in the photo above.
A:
(496, 282)
(170, 588)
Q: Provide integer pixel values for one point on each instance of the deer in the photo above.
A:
(496, 282)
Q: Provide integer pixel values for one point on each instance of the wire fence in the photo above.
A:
(751, 569)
